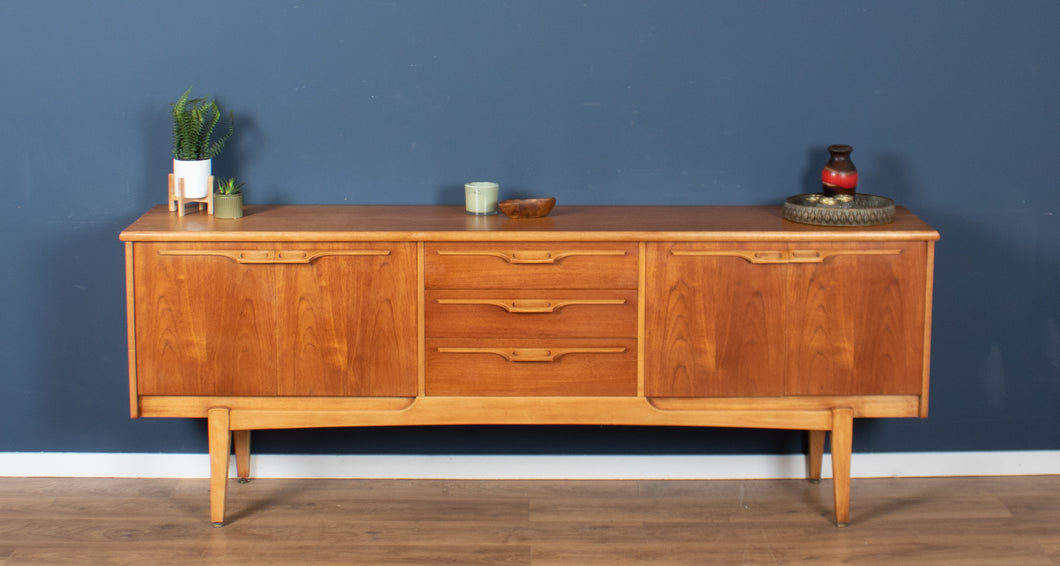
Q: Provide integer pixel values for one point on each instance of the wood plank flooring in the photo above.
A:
(936, 521)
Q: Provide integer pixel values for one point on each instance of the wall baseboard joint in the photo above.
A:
(903, 464)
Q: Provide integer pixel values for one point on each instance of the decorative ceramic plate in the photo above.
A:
(861, 210)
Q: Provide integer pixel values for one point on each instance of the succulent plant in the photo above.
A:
(229, 186)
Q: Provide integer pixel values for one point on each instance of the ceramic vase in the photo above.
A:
(839, 176)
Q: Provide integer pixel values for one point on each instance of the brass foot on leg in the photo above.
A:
(244, 480)
(217, 525)
(815, 481)
(841, 525)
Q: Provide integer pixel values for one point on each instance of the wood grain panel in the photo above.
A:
(849, 324)
(531, 313)
(714, 325)
(856, 323)
(343, 323)
(348, 326)
(204, 325)
(604, 373)
(520, 265)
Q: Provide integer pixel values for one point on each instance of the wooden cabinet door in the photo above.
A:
(348, 326)
(205, 324)
(856, 320)
(770, 319)
(266, 320)
(713, 323)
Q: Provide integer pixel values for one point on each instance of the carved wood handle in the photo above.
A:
(531, 354)
(532, 256)
(274, 256)
(524, 306)
(782, 256)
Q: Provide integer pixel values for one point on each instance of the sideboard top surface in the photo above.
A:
(336, 223)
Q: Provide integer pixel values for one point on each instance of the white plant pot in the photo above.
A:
(196, 175)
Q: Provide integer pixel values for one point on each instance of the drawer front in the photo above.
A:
(531, 314)
(546, 265)
(566, 367)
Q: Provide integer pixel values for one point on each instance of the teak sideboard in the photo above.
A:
(331, 316)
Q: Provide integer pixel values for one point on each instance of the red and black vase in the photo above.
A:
(839, 176)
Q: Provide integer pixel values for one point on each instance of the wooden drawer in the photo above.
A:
(566, 367)
(545, 265)
(532, 313)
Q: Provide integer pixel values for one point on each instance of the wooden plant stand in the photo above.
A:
(177, 200)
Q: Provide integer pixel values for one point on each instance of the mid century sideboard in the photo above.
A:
(333, 316)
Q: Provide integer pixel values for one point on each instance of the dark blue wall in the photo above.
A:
(953, 109)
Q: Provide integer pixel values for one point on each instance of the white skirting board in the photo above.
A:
(907, 464)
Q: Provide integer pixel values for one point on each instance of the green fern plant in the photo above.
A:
(229, 186)
(194, 120)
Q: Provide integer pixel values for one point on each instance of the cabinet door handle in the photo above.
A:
(273, 256)
(519, 355)
(532, 256)
(531, 306)
(782, 256)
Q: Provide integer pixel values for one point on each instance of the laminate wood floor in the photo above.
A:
(936, 521)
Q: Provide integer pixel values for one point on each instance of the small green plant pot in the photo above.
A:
(227, 206)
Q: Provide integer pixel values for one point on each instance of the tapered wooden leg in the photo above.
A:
(241, 440)
(220, 454)
(842, 445)
(816, 454)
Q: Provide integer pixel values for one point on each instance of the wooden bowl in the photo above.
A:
(527, 207)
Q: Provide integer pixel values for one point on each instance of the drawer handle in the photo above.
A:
(520, 355)
(782, 256)
(531, 306)
(532, 256)
(273, 256)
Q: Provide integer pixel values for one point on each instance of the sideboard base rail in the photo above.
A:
(444, 410)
